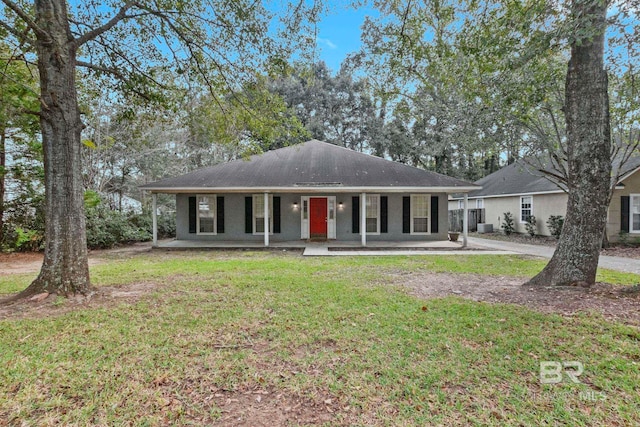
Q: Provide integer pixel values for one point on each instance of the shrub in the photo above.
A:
(166, 224)
(508, 224)
(107, 228)
(555, 223)
(531, 226)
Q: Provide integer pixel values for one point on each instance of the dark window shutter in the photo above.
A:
(276, 214)
(624, 213)
(248, 214)
(434, 214)
(220, 214)
(406, 214)
(384, 214)
(355, 214)
(193, 207)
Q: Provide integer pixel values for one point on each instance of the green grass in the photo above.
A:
(311, 329)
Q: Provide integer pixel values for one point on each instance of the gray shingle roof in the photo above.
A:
(311, 164)
(521, 178)
(516, 178)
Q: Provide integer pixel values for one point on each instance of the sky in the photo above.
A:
(339, 34)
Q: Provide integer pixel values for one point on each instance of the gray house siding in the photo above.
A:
(290, 219)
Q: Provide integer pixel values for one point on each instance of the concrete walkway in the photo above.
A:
(627, 265)
(322, 249)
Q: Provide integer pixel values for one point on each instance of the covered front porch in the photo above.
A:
(394, 221)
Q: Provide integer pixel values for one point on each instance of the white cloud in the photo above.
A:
(326, 42)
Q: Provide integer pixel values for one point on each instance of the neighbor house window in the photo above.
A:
(479, 203)
(460, 204)
(373, 214)
(420, 213)
(206, 214)
(635, 213)
(258, 214)
(526, 208)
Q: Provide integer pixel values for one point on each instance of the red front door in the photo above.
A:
(318, 223)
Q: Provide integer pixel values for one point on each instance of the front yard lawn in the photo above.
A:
(269, 338)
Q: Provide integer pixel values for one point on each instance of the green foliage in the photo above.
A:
(508, 223)
(107, 228)
(166, 224)
(531, 226)
(28, 240)
(91, 199)
(555, 224)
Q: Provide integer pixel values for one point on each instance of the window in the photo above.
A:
(305, 209)
(206, 214)
(479, 203)
(258, 214)
(420, 213)
(635, 213)
(526, 208)
(460, 204)
(373, 214)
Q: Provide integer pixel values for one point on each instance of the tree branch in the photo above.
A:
(21, 36)
(122, 14)
(40, 33)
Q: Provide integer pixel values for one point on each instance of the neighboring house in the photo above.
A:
(523, 191)
(313, 190)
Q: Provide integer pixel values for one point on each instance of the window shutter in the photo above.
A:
(406, 214)
(384, 214)
(220, 214)
(193, 207)
(624, 213)
(276, 214)
(248, 215)
(355, 215)
(434, 214)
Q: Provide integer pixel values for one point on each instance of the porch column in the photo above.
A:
(154, 215)
(363, 218)
(266, 219)
(465, 221)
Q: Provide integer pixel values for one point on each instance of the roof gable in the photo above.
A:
(311, 164)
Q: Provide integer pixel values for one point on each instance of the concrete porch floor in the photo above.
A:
(340, 248)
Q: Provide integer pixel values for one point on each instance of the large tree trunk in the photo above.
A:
(65, 269)
(575, 260)
(3, 169)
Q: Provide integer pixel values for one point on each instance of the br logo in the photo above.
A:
(551, 372)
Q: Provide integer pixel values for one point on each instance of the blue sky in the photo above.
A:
(339, 34)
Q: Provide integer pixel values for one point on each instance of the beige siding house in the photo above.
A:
(523, 192)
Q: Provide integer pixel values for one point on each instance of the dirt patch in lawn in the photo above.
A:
(263, 407)
(46, 305)
(30, 262)
(618, 303)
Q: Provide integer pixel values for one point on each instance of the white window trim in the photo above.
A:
(428, 196)
(631, 197)
(480, 202)
(377, 232)
(253, 201)
(460, 204)
(215, 214)
(305, 224)
(520, 208)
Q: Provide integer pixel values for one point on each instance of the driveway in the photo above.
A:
(627, 265)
